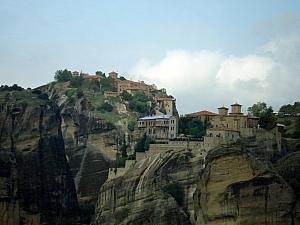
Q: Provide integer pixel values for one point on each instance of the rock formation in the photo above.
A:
(232, 185)
(36, 185)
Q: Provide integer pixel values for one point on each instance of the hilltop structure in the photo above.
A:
(159, 127)
(226, 128)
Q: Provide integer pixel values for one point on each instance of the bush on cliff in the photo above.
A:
(63, 75)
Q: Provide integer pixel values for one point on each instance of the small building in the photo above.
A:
(113, 75)
(161, 127)
(235, 120)
(110, 94)
(89, 76)
(204, 115)
(169, 104)
(131, 86)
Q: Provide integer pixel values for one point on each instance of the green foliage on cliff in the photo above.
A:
(105, 107)
(191, 126)
(267, 119)
(107, 84)
(63, 75)
(14, 87)
(176, 191)
(290, 109)
(139, 103)
(142, 144)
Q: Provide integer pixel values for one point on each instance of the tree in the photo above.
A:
(100, 73)
(124, 148)
(105, 107)
(142, 144)
(76, 81)
(122, 78)
(63, 75)
(191, 126)
(267, 119)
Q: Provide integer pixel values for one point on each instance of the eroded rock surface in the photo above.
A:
(230, 186)
(36, 185)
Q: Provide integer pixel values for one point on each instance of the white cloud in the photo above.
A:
(208, 79)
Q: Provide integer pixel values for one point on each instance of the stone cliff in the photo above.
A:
(232, 185)
(36, 185)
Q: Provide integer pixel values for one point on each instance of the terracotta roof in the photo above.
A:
(90, 76)
(203, 113)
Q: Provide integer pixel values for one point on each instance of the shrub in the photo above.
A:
(105, 107)
(142, 144)
(63, 75)
(131, 125)
(176, 191)
(70, 92)
(76, 81)
(126, 96)
(14, 87)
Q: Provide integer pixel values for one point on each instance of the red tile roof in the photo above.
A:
(90, 76)
(203, 113)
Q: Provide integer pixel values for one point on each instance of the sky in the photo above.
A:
(205, 53)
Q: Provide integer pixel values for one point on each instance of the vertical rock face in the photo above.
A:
(36, 185)
(230, 186)
(90, 143)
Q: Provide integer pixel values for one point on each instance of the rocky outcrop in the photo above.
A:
(36, 185)
(230, 186)
(236, 188)
(90, 142)
(156, 191)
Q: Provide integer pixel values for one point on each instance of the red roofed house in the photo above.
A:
(88, 76)
(203, 115)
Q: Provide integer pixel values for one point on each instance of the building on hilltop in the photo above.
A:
(168, 104)
(159, 127)
(132, 86)
(113, 75)
(235, 120)
(204, 116)
(89, 76)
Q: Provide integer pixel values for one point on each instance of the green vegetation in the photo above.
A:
(267, 119)
(131, 125)
(139, 103)
(105, 107)
(191, 126)
(107, 84)
(100, 73)
(142, 144)
(70, 92)
(76, 81)
(14, 87)
(63, 75)
(176, 191)
(289, 109)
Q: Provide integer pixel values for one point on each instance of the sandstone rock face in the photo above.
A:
(230, 186)
(36, 185)
(236, 188)
(158, 190)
